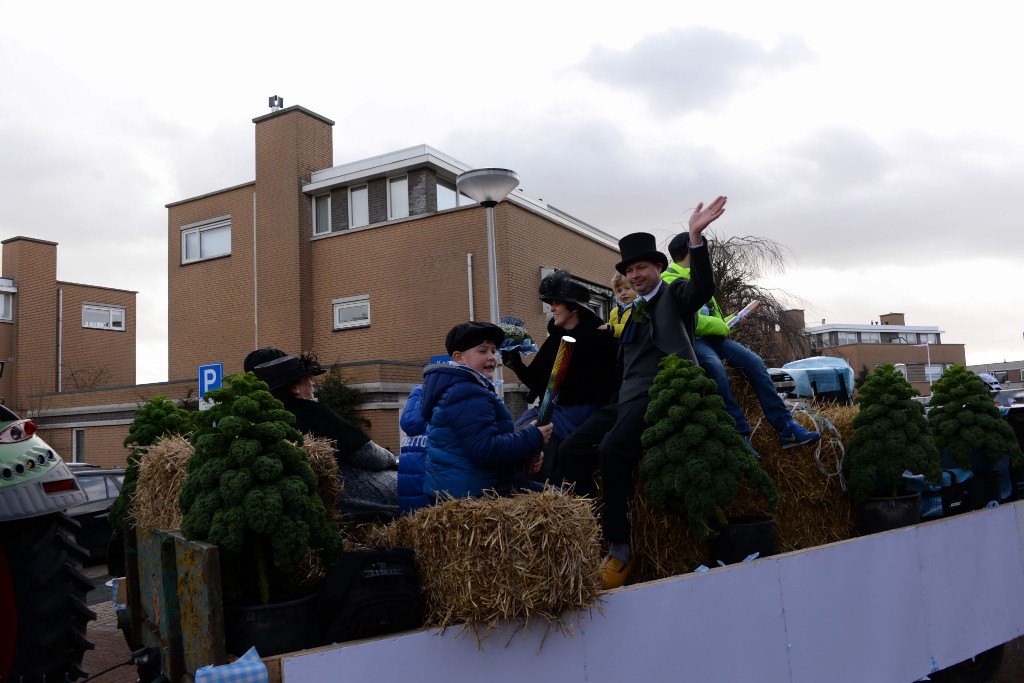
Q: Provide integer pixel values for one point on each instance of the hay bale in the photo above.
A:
(162, 472)
(532, 556)
(814, 507)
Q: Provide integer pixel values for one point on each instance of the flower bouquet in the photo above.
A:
(516, 337)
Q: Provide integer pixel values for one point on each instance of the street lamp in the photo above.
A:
(488, 186)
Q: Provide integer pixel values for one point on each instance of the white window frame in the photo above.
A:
(7, 307)
(351, 206)
(317, 228)
(843, 338)
(198, 229)
(110, 310)
(392, 215)
(349, 302)
(77, 453)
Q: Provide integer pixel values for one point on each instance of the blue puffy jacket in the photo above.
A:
(413, 458)
(471, 445)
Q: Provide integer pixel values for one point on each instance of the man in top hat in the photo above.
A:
(662, 324)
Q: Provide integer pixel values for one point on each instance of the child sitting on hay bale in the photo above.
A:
(471, 443)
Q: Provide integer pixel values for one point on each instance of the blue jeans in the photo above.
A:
(711, 351)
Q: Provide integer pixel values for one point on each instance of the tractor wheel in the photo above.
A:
(43, 615)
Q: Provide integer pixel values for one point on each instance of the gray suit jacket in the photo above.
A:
(672, 317)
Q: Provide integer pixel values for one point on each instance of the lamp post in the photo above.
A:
(488, 186)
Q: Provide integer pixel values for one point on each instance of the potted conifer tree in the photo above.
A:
(695, 458)
(250, 491)
(890, 437)
(971, 433)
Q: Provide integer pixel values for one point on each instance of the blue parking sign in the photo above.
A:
(210, 377)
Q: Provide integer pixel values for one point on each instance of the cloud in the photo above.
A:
(693, 68)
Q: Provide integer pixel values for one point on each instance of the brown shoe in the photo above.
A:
(614, 573)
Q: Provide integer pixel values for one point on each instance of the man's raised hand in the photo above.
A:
(703, 217)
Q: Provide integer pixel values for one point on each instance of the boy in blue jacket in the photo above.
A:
(471, 443)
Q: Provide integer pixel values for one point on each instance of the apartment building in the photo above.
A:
(369, 263)
(917, 350)
(64, 345)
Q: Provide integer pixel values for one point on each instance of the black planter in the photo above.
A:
(983, 487)
(742, 537)
(274, 629)
(884, 514)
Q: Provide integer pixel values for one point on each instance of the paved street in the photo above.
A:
(111, 647)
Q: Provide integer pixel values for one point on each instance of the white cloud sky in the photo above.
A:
(881, 142)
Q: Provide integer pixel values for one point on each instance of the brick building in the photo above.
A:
(64, 344)
(917, 349)
(369, 262)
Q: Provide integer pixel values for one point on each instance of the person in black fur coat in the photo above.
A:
(590, 381)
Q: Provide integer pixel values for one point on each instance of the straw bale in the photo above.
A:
(528, 557)
(813, 509)
(161, 474)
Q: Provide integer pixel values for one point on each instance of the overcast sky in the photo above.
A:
(883, 143)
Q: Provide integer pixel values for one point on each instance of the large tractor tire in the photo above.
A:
(43, 614)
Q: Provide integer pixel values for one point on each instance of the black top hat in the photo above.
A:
(285, 371)
(639, 246)
(467, 335)
(260, 356)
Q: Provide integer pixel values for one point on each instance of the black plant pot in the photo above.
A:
(983, 487)
(742, 537)
(274, 629)
(884, 514)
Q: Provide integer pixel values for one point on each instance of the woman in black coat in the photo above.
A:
(591, 379)
(369, 473)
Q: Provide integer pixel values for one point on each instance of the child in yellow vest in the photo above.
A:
(620, 314)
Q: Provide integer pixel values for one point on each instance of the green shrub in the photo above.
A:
(964, 419)
(154, 420)
(890, 435)
(250, 490)
(695, 458)
(333, 390)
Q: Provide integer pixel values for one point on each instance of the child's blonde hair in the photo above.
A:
(618, 280)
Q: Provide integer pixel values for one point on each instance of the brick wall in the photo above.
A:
(210, 309)
(339, 210)
(377, 198)
(91, 357)
(422, 191)
(32, 362)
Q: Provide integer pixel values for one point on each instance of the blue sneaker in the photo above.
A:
(794, 435)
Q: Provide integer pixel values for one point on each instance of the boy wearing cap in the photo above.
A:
(712, 345)
(472, 446)
(663, 324)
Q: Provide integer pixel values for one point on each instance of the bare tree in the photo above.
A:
(739, 263)
(88, 376)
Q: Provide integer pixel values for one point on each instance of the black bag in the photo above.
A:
(370, 592)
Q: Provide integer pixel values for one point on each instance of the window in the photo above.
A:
(446, 195)
(929, 338)
(398, 197)
(358, 207)
(103, 317)
(846, 338)
(78, 445)
(6, 306)
(448, 198)
(352, 311)
(208, 239)
(871, 337)
(322, 214)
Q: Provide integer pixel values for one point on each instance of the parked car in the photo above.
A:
(101, 485)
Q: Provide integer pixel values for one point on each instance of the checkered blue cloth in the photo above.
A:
(248, 668)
